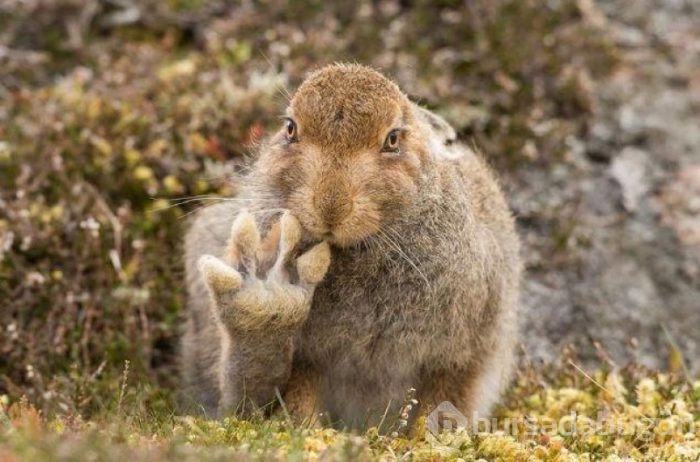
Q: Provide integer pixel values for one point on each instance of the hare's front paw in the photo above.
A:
(252, 289)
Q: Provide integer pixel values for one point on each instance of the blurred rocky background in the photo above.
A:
(118, 118)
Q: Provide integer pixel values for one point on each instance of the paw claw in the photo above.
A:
(313, 265)
(291, 232)
(246, 300)
(218, 275)
(245, 238)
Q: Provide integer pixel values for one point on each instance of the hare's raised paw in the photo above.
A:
(256, 286)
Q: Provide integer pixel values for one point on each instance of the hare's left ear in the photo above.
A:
(441, 130)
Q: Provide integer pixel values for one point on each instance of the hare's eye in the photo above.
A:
(290, 128)
(391, 143)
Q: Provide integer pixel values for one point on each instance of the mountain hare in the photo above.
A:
(369, 253)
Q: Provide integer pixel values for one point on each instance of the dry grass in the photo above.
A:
(112, 132)
(136, 431)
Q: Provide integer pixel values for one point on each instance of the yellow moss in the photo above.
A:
(565, 400)
(615, 388)
(93, 108)
(5, 152)
(421, 427)
(183, 103)
(197, 143)
(647, 397)
(143, 173)
(503, 447)
(132, 157)
(534, 401)
(181, 68)
(315, 445)
(201, 186)
(102, 145)
(157, 147)
(173, 185)
(57, 425)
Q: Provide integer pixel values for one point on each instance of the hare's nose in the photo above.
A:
(334, 205)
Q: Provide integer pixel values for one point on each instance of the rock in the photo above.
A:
(630, 170)
(624, 276)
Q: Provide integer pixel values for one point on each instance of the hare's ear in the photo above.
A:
(442, 130)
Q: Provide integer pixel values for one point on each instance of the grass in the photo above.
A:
(133, 428)
(111, 135)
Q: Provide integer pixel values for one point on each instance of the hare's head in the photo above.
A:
(350, 154)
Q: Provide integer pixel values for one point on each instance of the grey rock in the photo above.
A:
(624, 275)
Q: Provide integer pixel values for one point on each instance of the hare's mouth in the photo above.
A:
(338, 236)
(347, 236)
(353, 228)
(328, 235)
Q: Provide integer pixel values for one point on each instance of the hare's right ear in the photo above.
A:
(443, 131)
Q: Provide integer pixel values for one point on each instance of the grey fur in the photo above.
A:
(429, 302)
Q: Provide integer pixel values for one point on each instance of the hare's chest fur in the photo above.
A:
(365, 360)
(371, 309)
(370, 330)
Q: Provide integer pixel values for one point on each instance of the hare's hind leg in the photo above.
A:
(473, 390)
(301, 396)
(200, 388)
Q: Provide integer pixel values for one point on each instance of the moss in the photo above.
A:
(105, 148)
(139, 423)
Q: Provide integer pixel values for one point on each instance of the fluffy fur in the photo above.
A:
(421, 255)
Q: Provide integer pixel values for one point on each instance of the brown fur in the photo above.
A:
(424, 269)
(301, 395)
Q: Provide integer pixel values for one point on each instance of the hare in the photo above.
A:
(369, 253)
